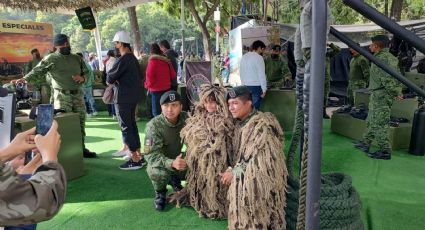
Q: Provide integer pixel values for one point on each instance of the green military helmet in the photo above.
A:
(10, 87)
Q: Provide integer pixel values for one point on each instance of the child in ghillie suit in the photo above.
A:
(207, 135)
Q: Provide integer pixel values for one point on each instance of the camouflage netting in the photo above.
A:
(208, 140)
(52, 5)
(258, 194)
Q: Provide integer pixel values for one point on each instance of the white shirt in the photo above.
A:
(252, 70)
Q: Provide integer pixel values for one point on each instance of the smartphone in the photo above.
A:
(44, 118)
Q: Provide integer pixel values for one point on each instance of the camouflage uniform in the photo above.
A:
(359, 76)
(67, 94)
(34, 200)
(384, 89)
(162, 145)
(276, 71)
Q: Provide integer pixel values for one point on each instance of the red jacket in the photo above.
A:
(159, 73)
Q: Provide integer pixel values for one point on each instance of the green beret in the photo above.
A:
(237, 92)
(381, 38)
(60, 39)
(169, 96)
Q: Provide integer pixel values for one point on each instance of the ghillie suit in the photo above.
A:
(208, 140)
(257, 192)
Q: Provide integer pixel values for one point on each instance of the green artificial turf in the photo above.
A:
(392, 192)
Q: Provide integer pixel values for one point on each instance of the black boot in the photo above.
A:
(175, 182)
(88, 154)
(381, 154)
(362, 146)
(160, 200)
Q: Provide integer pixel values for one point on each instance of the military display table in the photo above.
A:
(71, 154)
(346, 125)
(281, 102)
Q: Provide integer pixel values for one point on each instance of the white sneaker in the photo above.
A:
(94, 114)
(114, 117)
(120, 153)
(88, 115)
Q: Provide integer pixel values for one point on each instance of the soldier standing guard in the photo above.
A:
(359, 75)
(163, 148)
(385, 89)
(276, 68)
(67, 72)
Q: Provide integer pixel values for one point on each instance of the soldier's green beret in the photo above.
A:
(169, 96)
(380, 38)
(237, 92)
(60, 39)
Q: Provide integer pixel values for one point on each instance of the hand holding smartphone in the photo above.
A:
(44, 118)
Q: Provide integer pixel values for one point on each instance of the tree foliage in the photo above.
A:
(342, 14)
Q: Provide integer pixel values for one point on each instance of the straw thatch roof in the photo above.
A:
(55, 5)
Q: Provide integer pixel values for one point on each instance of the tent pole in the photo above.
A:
(97, 41)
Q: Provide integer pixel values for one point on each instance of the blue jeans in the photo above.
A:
(256, 92)
(88, 98)
(127, 121)
(156, 107)
(111, 109)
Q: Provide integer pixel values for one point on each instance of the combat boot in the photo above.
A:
(381, 154)
(176, 183)
(160, 200)
(362, 146)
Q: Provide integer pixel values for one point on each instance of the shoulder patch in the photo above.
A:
(148, 145)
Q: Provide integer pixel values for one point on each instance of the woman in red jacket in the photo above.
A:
(159, 74)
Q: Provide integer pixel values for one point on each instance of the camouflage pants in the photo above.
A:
(352, 87)
(72, 102)
(160, 176)
(377, 122)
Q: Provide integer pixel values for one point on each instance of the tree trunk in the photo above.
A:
(203, 26)
(396, 8)
(386, 7)
(134, 28)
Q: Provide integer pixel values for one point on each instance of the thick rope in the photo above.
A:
(299, 122)
(303, 187)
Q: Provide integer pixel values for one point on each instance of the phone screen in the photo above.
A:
(44, 118)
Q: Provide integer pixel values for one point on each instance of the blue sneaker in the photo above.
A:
(131, 165)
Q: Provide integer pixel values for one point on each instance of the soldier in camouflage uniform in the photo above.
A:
(67, 72)
(276, 68)
(36, 58)
(385, 89)
(40, 197)
(163, 147)
(359, 75)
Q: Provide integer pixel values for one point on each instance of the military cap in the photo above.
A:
(237, 92)
(380, 38)
(169, 96)
(60, 39)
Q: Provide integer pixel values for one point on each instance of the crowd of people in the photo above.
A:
(234, 165)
